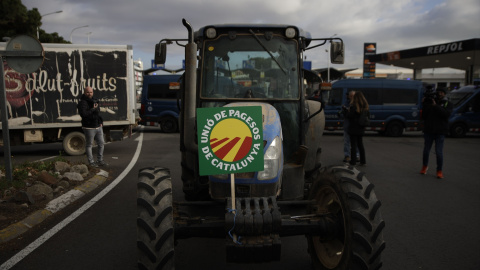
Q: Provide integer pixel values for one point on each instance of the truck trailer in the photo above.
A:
(42, 106)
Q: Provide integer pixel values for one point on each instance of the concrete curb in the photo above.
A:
(55, 205)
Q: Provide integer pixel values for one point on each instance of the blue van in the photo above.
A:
(159, 105)
(466, 110)
(395, 105)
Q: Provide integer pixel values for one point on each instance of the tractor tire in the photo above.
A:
(155, 233)
(74, 143)
(169, 125)
(357, 243)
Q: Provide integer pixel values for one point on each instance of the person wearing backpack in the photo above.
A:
(356, 114)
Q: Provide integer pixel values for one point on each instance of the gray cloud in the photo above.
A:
(392, 25)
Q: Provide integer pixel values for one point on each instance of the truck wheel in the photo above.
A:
(74, 143)
(344, 194)
(155, 234)
(458, 130)
(169, 125)
(394, 129)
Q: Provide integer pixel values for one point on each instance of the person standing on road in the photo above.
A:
(355, 130)
(346, 124)
(435, 114)
(92, 125)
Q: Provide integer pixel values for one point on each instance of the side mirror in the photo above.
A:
(337, 52)
(160, 53)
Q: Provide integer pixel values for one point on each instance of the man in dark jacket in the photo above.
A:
(436, 112)
(92, 124)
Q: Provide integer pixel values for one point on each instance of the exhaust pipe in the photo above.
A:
(190, 90)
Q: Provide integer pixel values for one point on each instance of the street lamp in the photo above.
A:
(88, 37)
(74, 30)
(41, 16)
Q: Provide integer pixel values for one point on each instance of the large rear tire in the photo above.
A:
(155, 233)
(347, 196)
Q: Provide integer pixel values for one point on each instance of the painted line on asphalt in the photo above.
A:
(43, 159)
(42, 239)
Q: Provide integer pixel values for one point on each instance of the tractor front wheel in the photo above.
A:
(155, 233)
(345, 195)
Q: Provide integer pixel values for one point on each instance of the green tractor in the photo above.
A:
(257, 65)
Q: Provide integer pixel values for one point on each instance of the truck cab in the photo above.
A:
(159, 101)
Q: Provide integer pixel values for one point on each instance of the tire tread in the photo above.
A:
(155, 230)
(361, 208)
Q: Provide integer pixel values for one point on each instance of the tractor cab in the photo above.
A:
(246, 65)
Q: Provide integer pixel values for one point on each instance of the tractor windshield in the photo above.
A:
(245, 67)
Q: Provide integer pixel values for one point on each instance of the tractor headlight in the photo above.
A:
(211, 33)
(290, 32)
(272, 160)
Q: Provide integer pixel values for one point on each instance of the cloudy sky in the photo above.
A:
(393, 25)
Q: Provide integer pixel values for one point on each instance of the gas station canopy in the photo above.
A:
(463, 55)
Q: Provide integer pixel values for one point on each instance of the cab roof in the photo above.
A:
(467, 89)
(199, 34)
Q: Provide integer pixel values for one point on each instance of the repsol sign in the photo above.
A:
(230, 140)
(445, 48)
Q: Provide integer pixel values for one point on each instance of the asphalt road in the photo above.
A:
(430, 223)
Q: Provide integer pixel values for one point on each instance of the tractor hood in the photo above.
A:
(271, 120)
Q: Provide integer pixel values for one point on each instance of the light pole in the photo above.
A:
(88, 37)
(74, 30)
(41, 16)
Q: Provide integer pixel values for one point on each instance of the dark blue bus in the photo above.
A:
(466, 110)
(159, 104)
(395, 105)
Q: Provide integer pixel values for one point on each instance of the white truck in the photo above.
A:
(42, 106)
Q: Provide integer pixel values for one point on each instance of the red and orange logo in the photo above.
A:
(230, 140)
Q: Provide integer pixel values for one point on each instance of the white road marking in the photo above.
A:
(43, 159)
(42, 239)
